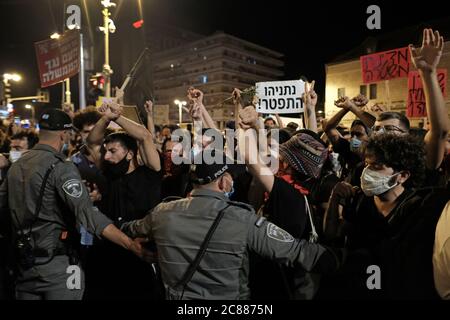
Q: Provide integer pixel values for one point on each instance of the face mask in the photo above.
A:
(65, 148)
(230, 193)
(374, 183)
(14, 155)
(355, 144)
(117, 170)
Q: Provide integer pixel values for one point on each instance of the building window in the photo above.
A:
(373, 91)
(341, 92)
(363, 90)
(204, 79)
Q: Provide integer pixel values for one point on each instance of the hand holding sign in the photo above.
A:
(310, 96)
(428, 56)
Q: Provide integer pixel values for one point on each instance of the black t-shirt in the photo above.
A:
(400, 244)
(133, 195)
(286, 208)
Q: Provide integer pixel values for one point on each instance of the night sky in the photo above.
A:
(308, 33)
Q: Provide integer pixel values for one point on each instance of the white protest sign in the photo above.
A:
(161, 114)
(280, 96)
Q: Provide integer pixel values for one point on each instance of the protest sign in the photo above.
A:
(416, 97)
(58, 59)
(280, 96)
(385, 65)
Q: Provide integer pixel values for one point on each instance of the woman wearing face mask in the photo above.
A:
(388, 222)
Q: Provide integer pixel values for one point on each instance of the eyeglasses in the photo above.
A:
(387, 128)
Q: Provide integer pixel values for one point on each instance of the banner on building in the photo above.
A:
(161, 114)
(58, 59)
(280, 96)
(385, 65)
(416, 107)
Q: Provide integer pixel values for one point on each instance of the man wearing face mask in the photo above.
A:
(132, 190)
(388, 222)
(21, 141)
(48, 203)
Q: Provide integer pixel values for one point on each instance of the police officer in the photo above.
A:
(179, 229)
(48, 202)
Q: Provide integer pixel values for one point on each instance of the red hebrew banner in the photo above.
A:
(416, 97)
(58, 59)
(385, 65)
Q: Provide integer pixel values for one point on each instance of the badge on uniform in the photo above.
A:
(278, 234)
(73, 188)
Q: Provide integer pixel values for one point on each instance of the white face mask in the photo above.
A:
(374, 183)
(14, 155)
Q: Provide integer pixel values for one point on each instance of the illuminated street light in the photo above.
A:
(30, 107)
(180, 104)
(12, 76)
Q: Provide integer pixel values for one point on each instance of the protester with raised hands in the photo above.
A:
(132, 190)
(426, 59)
(286, 195)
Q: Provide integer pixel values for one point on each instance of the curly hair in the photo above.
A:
(401, 153)
(86, 117)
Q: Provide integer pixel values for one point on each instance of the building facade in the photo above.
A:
(216, 65)
(344, 77)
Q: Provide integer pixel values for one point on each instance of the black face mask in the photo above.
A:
(116, 170)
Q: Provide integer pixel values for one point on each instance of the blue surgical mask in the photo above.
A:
(230, 193)
(355, 143)
(65, 148)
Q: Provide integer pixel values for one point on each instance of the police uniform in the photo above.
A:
(179, 227)
(65, 206)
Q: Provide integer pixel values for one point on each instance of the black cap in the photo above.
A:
(55, 119)
(210, 165)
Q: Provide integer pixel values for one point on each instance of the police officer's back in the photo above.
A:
(179, 229)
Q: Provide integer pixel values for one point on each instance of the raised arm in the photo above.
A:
(147, 148)
(196, 96)
(426, 60)
(248, 148)
(149, 109)
(310, 101)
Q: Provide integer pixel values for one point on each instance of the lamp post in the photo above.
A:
(180, 104)
(31, 107)
(108, 27)
(66, 93)
(7, 77)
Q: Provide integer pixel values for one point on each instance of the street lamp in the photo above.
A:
(108, 27)
(30, 107)
(55, 36)
(12, 76)
(7, 77)
(180, 104)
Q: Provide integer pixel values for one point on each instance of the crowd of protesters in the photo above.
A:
(375, 195)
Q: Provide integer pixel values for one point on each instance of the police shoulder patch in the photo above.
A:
(73, 188)
(278, 234)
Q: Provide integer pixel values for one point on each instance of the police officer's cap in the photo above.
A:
(210, 165)
(55, 120)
